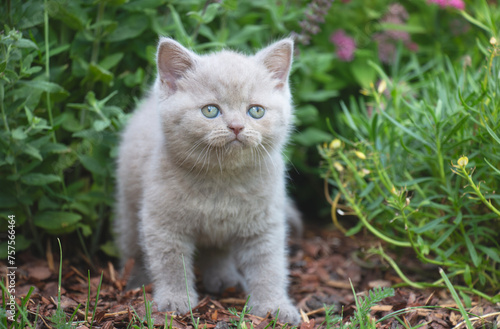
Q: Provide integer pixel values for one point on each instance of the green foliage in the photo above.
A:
(361, 317)
(399, 163)
(71, 70)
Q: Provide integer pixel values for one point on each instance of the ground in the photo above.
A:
(321, 265)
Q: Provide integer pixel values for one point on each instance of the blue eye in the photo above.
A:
(210, 111)
(256, 112)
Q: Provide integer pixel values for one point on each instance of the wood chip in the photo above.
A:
(339, 284)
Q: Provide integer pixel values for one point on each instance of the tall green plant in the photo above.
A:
(399, 165)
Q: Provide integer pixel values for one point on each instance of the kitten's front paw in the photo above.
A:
(178, 303)
(287, 312)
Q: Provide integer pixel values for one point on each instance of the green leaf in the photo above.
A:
(70, 123)
(490, 252)
(98, 73)
(57, 148)
(491, 132)
(132, 27)
(135, 79)
(92, 165)
(472, 251)
(407, 131)
(111, 61)
(205, 16)
(45, 86)
(100, 125)
(312, 136)
(32, 151)
(467, 276)
(19, 133)
(246, 33)
(318, 95)
(57, 221)
(110, 249)
(363, 72)
(181, 34)
(37, 179)
(474, 21)
(307, 114)
(69, 12)
(25, 43)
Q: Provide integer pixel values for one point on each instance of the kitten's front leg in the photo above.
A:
(164, 252)
(263, 262)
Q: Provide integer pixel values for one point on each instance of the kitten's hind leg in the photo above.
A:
(219, 270)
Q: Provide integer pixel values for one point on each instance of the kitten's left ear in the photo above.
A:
(277, 58)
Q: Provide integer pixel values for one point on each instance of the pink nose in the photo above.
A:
(236, 128)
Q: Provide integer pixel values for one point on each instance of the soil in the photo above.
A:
(323, 265)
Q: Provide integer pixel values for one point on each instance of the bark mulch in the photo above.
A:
(321, 265)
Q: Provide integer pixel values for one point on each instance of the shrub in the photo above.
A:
(70, 71)
(418, 163)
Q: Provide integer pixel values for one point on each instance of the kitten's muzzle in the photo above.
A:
(236, 128)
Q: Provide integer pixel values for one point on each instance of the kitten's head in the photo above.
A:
(224, 109)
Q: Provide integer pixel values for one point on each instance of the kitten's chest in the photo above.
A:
(220, 212)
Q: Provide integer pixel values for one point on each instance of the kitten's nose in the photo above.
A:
(236, 127)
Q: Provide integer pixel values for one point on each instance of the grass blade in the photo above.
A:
(456, 299)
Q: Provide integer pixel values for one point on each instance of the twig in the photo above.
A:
(476, 318)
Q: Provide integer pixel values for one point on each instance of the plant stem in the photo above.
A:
(396, 268)
(197, 28)
(440, 161)
(97, 35)
(47, 69)
(359, 212)
(478, 192)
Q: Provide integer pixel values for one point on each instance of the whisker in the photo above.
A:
(270, 157)
(191, 150)
(202, 153)
(262, 157)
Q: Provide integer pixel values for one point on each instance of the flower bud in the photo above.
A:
(463, 161)
(360, 155)
(335, 144)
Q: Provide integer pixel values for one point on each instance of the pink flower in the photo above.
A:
(457, 4)
(344, 44)
(387, 40)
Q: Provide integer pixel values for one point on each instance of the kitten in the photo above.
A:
(200, 169)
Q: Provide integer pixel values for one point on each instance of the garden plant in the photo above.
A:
(397, 115)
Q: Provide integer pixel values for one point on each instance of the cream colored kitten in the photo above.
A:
(200, 170)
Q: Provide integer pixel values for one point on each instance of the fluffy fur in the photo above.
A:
(216, 187)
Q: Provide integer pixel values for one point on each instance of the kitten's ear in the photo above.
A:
(277, 58)
(173, 62)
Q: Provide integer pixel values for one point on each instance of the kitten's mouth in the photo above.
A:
(235, 141)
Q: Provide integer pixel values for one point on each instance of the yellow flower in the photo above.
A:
(393, 190)
(335, 144)
(360, 155)
(463, 161)
(365, 92)
(382, 86)
(493, 41)
(338, 166)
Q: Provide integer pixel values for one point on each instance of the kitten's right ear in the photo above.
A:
(173, 61)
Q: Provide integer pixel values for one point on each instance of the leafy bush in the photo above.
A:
(71, 70)
(418, 163)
